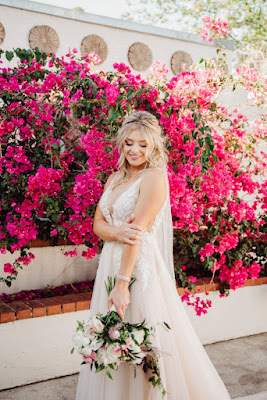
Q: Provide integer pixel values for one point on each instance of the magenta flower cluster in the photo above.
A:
(58, 125)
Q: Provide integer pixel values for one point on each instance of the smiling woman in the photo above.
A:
(135, 206)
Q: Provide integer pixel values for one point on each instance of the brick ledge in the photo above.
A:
(26, 309)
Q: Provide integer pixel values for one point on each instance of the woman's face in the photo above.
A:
(136, 149)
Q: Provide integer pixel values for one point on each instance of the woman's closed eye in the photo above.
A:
(141, 145)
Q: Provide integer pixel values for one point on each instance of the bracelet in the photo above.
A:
(124, 278)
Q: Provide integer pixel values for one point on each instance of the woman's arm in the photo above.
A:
(127, 232)
(153, 191)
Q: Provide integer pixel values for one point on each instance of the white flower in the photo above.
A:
(87, 350)
(95, 344)
(113, 356)
(138, 335)
(79, 340)
(108, 355)
(133, 347)
(113, 332)
(93, 327)
(138, 360)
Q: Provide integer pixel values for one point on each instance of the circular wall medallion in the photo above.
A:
(96, 44)
(45, 38)
(2, 33)
(140, 56)
(178, 59)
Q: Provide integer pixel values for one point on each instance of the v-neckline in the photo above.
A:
(114, 202)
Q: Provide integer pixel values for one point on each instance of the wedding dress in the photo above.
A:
(186, 370)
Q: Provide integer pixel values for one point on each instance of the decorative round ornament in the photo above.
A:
(140, 56)
(178, 59)
(96, 44)
(45, 38)
(2, 33)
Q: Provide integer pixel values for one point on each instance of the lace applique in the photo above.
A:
(122, 209)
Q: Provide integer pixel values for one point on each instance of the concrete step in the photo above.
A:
(241, 363)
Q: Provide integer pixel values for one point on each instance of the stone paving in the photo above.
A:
(241, 363)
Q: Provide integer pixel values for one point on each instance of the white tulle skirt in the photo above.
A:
(186, 370)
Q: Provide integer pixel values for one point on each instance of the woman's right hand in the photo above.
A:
(128, 232)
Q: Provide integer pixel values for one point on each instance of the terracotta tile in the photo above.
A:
(68, 305)
(217, 285)
(7, 314)
(53, 306)
(248, 282)
(180, 291)
(205, 280)
(200, 288)
(86, 296)
(21, 309)
(209, 287)
(38, 309)
(257, 281)
(264, 280)
(42, 243)
(81, 302)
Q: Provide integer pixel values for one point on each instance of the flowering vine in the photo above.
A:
(58, 123)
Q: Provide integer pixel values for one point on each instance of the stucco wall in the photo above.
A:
(19, 17)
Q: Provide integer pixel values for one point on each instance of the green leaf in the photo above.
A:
(214, 158)
(100, 368)
(113, 115)
(197, 150)
(9, 55)
(109, 374)
(55, 217)
(167, 325)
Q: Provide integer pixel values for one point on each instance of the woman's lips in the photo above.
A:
(134, 157)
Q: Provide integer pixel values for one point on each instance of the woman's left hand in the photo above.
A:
(120, 297)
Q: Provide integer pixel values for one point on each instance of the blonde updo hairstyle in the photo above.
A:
(148, 124)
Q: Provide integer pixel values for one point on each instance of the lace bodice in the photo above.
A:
(122, 209)
(124, 206)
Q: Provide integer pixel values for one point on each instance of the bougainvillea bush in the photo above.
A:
(58, 123)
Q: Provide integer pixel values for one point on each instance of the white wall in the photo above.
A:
(38, 349)
(19, 17)
(50, 267)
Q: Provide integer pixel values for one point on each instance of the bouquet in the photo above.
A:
(105, 341)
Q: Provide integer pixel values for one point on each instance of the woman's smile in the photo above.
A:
(136, 149)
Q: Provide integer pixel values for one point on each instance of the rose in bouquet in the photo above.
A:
(105, 341)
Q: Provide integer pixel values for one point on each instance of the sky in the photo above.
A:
(109, 8)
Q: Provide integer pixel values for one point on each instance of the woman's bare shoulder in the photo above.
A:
(154, 174)
(153, 181)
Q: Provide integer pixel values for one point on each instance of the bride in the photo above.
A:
(133, 217)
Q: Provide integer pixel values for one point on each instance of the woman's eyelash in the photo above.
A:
(130, 144)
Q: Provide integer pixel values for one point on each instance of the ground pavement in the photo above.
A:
(241, 363)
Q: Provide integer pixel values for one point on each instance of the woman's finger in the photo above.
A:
(109, 303)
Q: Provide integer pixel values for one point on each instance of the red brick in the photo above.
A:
(209, 287)
(86, 296)
(217, 285)
(81, 302)
(53, 306)
(257, 281)
(68, 305)
(180, 291)
(7, 314)
(21, 309)
(200, 288)
(38, 309)
(248, 282)
(264, 280)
